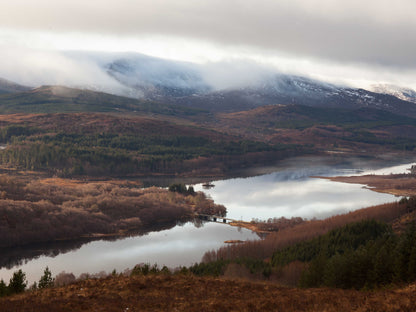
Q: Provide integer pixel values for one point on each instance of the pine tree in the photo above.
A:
(46, 280)
(412, 265)
(18, 282)
(3, 289)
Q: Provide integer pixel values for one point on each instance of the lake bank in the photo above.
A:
(394, 184)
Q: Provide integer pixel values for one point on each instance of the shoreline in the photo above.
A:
(394, 184)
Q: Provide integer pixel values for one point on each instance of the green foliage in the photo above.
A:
(410, 203)
(146, 269)
(8, 133)
(112, 153)
(68, 100)
(181, 188)
(378, 262)
(46, 279)
(217, 268)
(349, 237)
(4, 291)
(18, 282)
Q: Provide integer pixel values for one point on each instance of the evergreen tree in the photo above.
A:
(18, 282)
(3, 289)
(412, 265)
(403, 250)
(46, 280)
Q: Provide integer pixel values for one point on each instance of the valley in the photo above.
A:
(78, 169)
(207, 156)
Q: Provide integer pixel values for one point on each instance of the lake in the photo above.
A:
(289, 191)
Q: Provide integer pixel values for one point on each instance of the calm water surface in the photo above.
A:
(292, 192)
(288, 192)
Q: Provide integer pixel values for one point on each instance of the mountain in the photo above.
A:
(7, 86)
(190, 85)
(286, 89)
(214, 87)
(405, 94)
(155, 78)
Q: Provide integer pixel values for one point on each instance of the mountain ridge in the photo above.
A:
(7, 86)
(213, 88)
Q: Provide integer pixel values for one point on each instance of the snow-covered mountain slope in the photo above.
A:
(156, 78)
(405, 94)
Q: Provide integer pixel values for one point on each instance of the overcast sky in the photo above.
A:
(357, 41)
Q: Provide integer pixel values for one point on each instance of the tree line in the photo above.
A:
(18, 283)
(115, 153)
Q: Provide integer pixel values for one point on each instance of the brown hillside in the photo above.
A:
(189, 293)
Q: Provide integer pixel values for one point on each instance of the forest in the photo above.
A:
(102, 150)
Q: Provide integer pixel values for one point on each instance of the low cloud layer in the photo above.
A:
(374, 31)
(35, 68)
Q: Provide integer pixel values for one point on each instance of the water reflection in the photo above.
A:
(292, 192)
(181, 245)
(289, 191)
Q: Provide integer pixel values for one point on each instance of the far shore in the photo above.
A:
(394, 184)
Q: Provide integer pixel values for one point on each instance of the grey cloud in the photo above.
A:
(374, 32)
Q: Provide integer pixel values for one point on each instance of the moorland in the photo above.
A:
(72, 162)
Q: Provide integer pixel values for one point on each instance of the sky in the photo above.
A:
(347, 41)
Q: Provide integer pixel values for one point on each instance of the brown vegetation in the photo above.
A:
(47, 210)
(189, 293)
(395, 184)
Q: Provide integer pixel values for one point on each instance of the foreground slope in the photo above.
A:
(189, 293)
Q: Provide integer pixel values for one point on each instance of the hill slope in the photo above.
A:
(189, 293)
(60, 99)
(7, 86)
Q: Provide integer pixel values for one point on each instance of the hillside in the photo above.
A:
(97, 144)
(139, 137)
(189, 293)
(333, 129)
(60, 99)
(7, 86)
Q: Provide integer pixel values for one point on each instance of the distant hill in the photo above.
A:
(60, 99)
(7, 86)
(300, 116)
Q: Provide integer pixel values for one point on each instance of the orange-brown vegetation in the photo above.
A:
(396, 184)
(57, 209)
(264, 249)
(190, 293)
(269, 226)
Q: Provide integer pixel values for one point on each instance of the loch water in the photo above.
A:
(290, 190)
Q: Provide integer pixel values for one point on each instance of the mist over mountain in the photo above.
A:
(153, 78)
(225, 86)
(7, 86)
